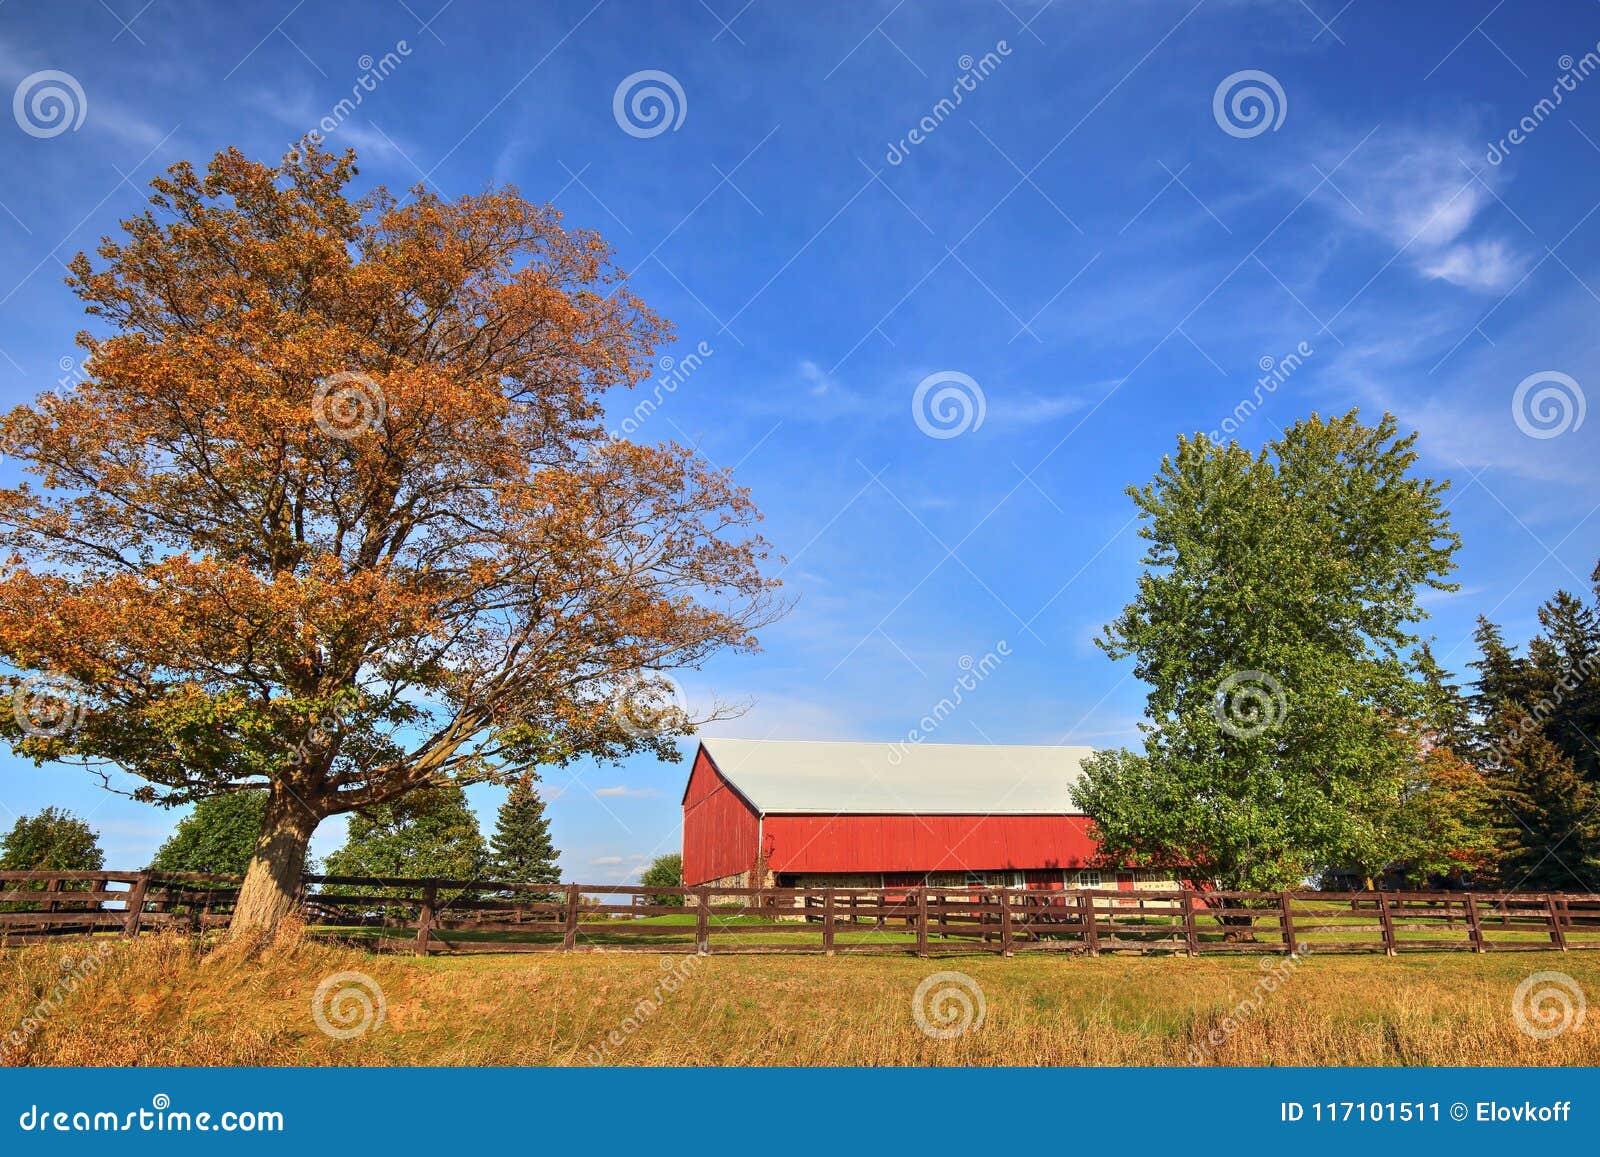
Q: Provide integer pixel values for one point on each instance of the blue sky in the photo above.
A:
(1108, 255)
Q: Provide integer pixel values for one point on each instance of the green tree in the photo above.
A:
(428, 833)
(1273, 624)
(218, 836)
(665, 872)
(523, 852)
(54, 840)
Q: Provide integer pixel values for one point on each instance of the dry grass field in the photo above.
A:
(164, 1000)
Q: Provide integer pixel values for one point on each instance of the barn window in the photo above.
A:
(1088, 878)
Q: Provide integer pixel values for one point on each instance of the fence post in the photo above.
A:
(1091, 934)
(1286, 916)
(702, 922)
(1474, 923)
(54, 885)
(1191, 941)
(130, 922)
(827, 921)
(1386, 922)
(1558, 935)
(569, 938)
(1005, 922)
(430, 899)
(922, 921)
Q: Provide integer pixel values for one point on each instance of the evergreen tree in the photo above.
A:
(522, 850)
(218, 836)
(1566, 658)
(1502, 677)
(1554, 842)
(1451, 722)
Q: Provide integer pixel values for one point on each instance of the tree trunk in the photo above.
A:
(273, 878)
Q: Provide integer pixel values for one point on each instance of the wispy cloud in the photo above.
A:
(1420, 193)
(1490, 266)
(621, 790)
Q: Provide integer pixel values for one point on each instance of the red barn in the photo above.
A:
(875, 815)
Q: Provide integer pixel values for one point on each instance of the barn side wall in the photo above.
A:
(925, 843)
(721, 832)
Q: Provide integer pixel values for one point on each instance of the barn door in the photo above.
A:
(1125, 884)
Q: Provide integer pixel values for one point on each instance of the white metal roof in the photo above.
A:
(789, 775)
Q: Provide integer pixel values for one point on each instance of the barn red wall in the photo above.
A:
(721, 832)
(898, 843)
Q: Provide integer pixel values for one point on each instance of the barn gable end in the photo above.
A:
(721, 829)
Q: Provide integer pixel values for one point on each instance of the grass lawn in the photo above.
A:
(164, 1000)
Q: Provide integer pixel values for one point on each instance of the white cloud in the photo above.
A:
(1489, 266)
(1422, 194)
(1032, 410)
(621, 790)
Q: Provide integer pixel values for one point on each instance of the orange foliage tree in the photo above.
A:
(333, 510)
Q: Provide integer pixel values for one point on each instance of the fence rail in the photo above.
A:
(466, 916)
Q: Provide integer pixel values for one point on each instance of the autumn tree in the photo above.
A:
(332, 511)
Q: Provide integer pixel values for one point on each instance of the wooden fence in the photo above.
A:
(459, 916)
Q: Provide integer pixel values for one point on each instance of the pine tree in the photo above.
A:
(1554, 844)
(1566, 660)
(1502, 677)
(1450, 723)
(522, 850)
